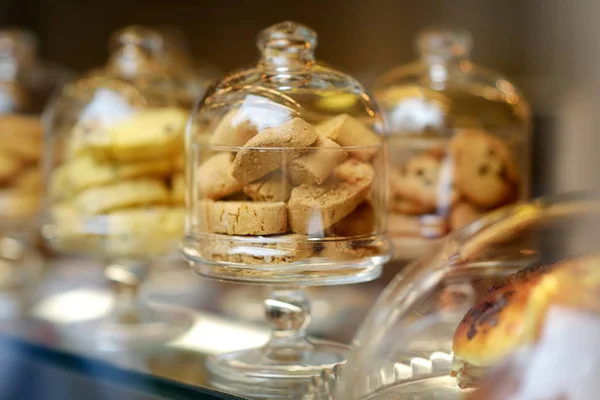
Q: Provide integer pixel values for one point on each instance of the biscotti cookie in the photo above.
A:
(405, 206)
(346, 250)
(29, 180)
(283, 249)
(214, 177)
(243, 217)
(314, 208)
(316, 165)
(360, 222)
(347, 131)
(252, 163)
(124, 194)
(463, 214)
(27, 148)
(17, 204)
(235, 129)
(273, 187)
(484, 169)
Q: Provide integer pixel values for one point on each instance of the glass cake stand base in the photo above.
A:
(273, 373)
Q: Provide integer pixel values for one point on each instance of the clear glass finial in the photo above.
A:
(287, 41)
(444, 42)
(135, 49)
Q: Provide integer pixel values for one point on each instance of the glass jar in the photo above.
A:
(459, 140)
(287, 165)
(286, 187)
(511, 286)
(26, 84)
(115, 158)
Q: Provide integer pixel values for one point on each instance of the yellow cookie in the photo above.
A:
(86, 171)
(30, 180)
(9, 165)
(155, 230)
(120, 195)
(178, 189)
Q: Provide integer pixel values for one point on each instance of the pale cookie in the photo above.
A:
(18, 205)
(463, 214)
(419, 181)
(347, 131)
(347, 250)
(243, 218)
(124, 194)
(178, 189)
(86, 171)
(484, 168)
(405, 225)
(146, 135)
(146, 231)
(214, 177)
(235, 129)
(9, 166)
(358, 223)
(317, 164)
(313, 208)
(282, 249)
(405, 206)
(273, 187)
(253, 161)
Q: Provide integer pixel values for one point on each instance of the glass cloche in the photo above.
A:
(26, 83)
(511, 286)
(459, 140)
(286, 187)
(115, 157)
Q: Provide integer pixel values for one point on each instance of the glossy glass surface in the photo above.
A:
(287, 171)
(459, 140)
(404, 348)
(114, 154)
(26, 83)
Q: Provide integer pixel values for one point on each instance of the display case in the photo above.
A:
(286, 187)
(511, 286)
(459, 140)
(115, 159)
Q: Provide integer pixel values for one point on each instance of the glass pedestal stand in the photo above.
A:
(288, 361)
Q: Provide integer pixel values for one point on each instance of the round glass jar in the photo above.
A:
(459, 140)
(511, 286)
(26, 84)
(287, 171)
(115, 162)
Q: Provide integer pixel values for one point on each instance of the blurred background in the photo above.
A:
(546, 46)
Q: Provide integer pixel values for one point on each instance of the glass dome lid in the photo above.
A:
(510, 287)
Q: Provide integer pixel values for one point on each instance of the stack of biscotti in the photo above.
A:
(120, 187)
(20, 171)
(293, 181)
(440, 190)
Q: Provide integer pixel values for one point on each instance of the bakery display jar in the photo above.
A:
(459, 140)
(285, 189)
(26, 84)
(115, 157)
(512, 286)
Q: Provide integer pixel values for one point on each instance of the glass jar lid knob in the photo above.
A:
(135, 49)
(287, 41)
(445, 42)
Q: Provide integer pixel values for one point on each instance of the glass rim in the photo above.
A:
(224, 148)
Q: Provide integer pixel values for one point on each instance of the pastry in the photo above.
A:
(273, 187)
(178, 189)
(252, 163)
(316, 165)
(358, 223)
(243, 217)
(463, 214)
(347, 131)
(313, 208)
(215, 180)
(235, 129)
(484, 170)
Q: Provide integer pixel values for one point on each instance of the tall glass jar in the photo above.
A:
(459, 140)
(115, 158)
(286, 187)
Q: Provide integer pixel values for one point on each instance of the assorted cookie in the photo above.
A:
(296, 181)
(122, 191)
(439, 190)
(20, 169)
